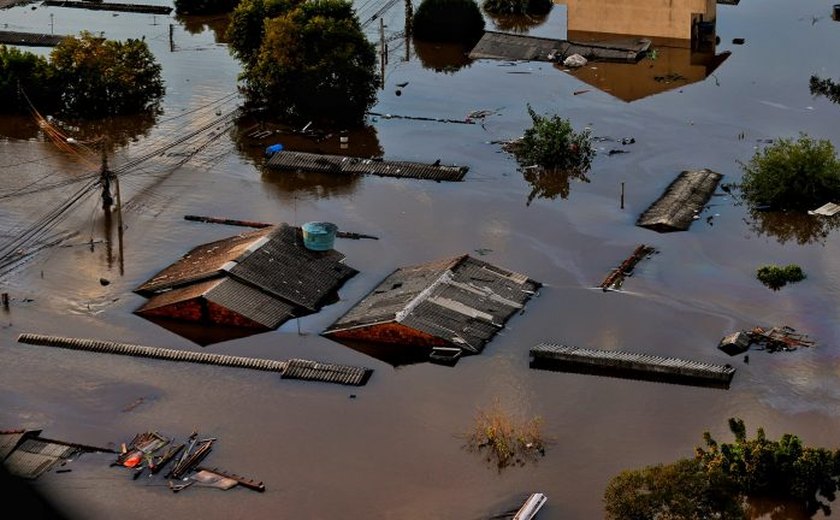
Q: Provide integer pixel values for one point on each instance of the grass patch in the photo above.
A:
(504, 439)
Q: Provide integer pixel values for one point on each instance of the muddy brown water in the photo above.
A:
(396, 449)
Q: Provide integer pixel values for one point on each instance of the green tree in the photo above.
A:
(24, 73)
(683, 490)
(776, 277)
(247, 26)
(314, 63)
(104, 77)
(448, 21)
(795, 175)
(204, 6)
(825, 87)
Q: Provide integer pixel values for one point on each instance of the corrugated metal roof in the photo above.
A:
(506, 46)
(204, 261)
(464, 302)
(684, 199)
(33, 457)
(286, 269)
(343, 165)
(326, 372)
(8, 441)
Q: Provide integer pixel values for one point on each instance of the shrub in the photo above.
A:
(506, 439)
(551, 143)
(448, 21)
(798, 175)
(776, 277)
(502, 7)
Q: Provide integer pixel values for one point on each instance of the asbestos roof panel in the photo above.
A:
(34, 457)
(326, 372)
(463, 301)
(393, 294)
(342, 165)
(828, 209)
(251, 303)
(684, 198)
(284, 268)
(204, 261)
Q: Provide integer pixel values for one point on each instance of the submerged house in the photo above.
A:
(255, 280)
(455, 304)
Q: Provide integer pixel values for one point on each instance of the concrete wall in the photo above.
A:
(652, 18)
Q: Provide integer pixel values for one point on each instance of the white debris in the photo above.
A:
(575, 61)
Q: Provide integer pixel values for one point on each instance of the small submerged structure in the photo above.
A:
(682, 201)
(506, 46)
(30, 39)
(774, 339)
(256, 280)
(109, 6)
(451, 307)
(26, 454)
(631, 365)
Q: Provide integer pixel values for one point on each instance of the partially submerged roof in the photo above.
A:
(27, 455)
(343, 165)
(684, 198)
(506, 46)
(829, 209)
(255, 280)
(458, 302)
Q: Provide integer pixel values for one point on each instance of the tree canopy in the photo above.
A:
(448, 21)
(247, 26)
(795, 175)
(313, 63)
(24, 72)
(552, 143)
(721, 476)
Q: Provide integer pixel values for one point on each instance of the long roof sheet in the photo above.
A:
(342, 165)
(506, 46)
(462, 300)
(684, 198)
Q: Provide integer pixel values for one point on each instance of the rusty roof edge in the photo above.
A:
(330, 330)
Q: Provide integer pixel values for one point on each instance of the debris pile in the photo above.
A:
(151, 452)
(615, 278)
(776, 339)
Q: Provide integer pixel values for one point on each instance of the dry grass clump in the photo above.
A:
(506, 440)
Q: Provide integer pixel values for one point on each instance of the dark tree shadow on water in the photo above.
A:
(517, 23)
(197, 24)
(773, 509)
(447, 58)
(785, 227)
(551, 183)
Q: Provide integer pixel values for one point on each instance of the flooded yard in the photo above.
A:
(395, 448)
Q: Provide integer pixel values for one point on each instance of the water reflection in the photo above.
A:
(254, 135)
(394, 355)
(788, 227)
(683, 45)
(774, 509)
(202, 334)
(18, 127)
(196, 24)
(517, 23)
(551, 183)
(447, 58)
(120, 131)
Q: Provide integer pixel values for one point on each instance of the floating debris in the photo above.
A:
(26, 454)
(775, 339)
(531, 507)
(615, 279)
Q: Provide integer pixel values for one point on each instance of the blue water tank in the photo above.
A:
(319, 236)
(273, 149)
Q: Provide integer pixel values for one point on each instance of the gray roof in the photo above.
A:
(463, 301)
(267, 276)
(9, 440)
(342, 165)
(684, 198)
(285, 268)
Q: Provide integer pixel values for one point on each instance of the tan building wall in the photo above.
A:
(670, 19)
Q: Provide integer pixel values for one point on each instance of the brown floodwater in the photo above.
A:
(396, 450)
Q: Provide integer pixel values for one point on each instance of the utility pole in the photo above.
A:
(171, 40)
(382, 53)
(409, 20)
(105, 180)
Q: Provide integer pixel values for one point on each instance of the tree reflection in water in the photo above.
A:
(197, 24)
(518, 23)
(551, 183)
(786, 226)
(447, 58)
